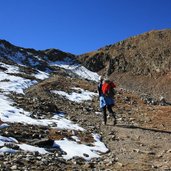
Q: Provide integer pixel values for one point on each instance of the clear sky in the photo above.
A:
(79, 26)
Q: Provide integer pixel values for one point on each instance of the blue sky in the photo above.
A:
(79, 26)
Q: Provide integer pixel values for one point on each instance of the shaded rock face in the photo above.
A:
(55, 54)
(95, 63)
(37, 59)
(146, 56)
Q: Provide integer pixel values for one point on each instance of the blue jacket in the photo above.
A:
(105, 101)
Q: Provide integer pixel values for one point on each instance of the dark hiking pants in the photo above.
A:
(109, 108)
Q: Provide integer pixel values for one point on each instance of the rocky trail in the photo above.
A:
(141, 140)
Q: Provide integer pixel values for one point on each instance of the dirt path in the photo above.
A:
(138, 142)
(138, 149)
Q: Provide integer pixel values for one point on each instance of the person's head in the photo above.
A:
(106, 80)
(100, 79)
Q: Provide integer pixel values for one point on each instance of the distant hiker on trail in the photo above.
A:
(100, 86)
(106, 95)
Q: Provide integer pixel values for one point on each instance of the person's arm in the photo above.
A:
(99, 89)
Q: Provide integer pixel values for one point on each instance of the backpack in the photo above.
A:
(108, 90)
(111, 92)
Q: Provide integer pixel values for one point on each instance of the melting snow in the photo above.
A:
(10, 83)
(85, 151)
(76, 68)
(7, 150)
(41, 75)
(10, 113)
(31, 148)
(83, 95)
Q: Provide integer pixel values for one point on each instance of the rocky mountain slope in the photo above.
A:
(139, 141)
(141, 63)
(50, 116)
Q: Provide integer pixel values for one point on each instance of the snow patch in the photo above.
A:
(81, 150)
(76, 68)
(83, 95)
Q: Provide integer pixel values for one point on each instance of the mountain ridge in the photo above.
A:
(141, 63)
(145, 57)
(50, 117)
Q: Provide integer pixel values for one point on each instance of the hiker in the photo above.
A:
(100, 86)
(107, 99)
(102, 99)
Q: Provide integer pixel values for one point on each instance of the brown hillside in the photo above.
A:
(141, 63)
